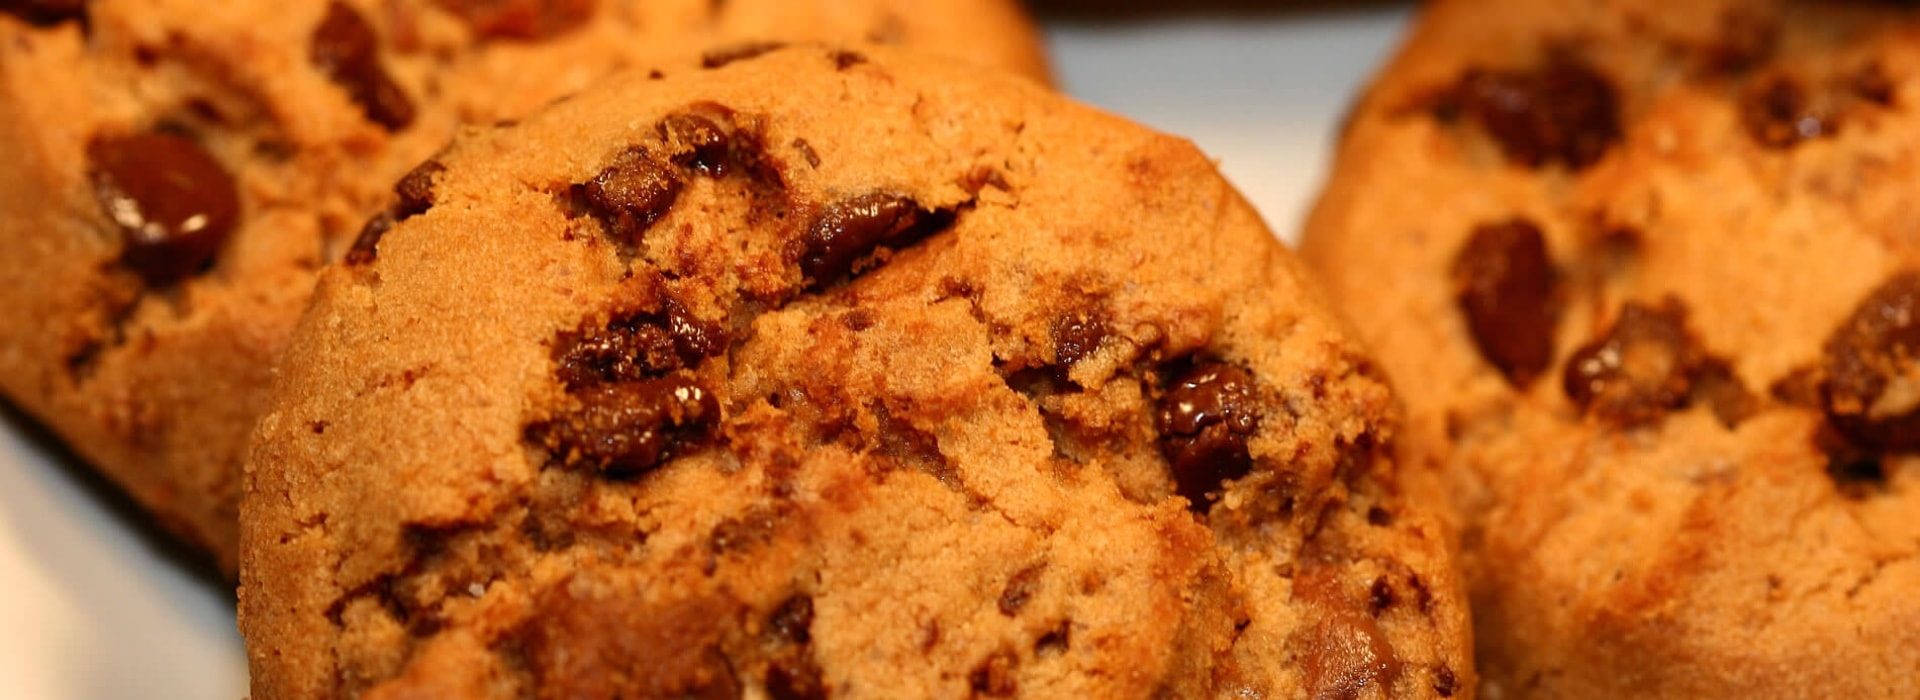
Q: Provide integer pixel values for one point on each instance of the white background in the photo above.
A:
(95, 605)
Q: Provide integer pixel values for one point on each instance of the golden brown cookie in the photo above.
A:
(175, 172)
(833, 373)
(1647, 276)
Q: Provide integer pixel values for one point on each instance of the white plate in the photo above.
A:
(93, 608)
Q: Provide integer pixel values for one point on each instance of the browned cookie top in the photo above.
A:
(1647, 275)
(176, 170)
(833, 373)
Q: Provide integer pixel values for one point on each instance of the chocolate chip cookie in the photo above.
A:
(1646, 274)
(176, 171)
(833, 373)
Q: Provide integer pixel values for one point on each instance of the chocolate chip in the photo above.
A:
(1444, 682)
(1505, 283)
(795, 680)
(843, 60)
(45, 12)
(1379, 517)
(1056, 641)
(792, 622)
(1380, 596)
(414, 191)
(175, 204)
(637, 346)
(1565, 112)
(1872, 363)
(521, 19)
(1871, 83)
(1639, 370)
(701, 137)
(1077, 335)
(630, 194)
(365, 246)
(751, 529)
(1857, 472)
(849, 230)
(738, 52)
(413, 196)
(1779, 114)
(347, 50)
(1205, 418)
(1020, 588)
(626, 429)
(1716, 385)
(995, 677)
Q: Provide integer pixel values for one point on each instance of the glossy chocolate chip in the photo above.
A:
(1077, 335)
(1872, 391)
(625, 430)
(174, 203)
(792, 674)
(701, 136)
(347, 50)
(1505, 284)
(738, 52)
(1444, 682)
(851, 229)
(1205, 418)
(1778, 113)
(521, 19)
(637, 346)
(45, 12)
(630, 194)
(1639, 370)
(1563, 113)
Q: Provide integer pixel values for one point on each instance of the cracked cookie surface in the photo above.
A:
(834, 373)
(177, 170)
(1645, 274)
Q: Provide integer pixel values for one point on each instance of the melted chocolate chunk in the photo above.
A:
(1077, 335)
(174, 203)
(849, 230)
(636, 347)
(1505, 284)
(629, 195)
(738, 52)
(793, 674)
(521, 19)
(347, 50)
(1715, 385)
(1564, 113)
(1872, 391)
(1779, 114)
(1350, 654)
(624, 430)
(45, 12)
(843, 60)
(1641, 369)
(1205, 418)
